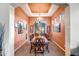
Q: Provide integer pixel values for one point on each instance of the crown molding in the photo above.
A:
(27, 10)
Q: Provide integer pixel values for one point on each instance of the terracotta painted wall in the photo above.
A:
(58, 37)
(20, 38)
(33, 19)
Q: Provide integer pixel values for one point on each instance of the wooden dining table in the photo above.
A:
(46, 42)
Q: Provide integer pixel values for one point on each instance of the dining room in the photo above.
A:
(39, 29)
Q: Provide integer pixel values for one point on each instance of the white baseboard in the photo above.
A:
(59, 46)
(20, 46)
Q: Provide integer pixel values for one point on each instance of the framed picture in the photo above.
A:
(62, 15)
(56, 25)
(31, 29)
(26, 26)
(48, 29)
(20, 27)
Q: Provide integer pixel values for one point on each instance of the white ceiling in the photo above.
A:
(27, 10)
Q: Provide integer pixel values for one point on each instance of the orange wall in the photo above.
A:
(58, 37)
(33, 19)
(20, 38)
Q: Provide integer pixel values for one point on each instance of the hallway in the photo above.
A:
(53, 50)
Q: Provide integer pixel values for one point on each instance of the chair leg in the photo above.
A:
(35, 52)
(43, 54)
(30, 48)
(47, 48)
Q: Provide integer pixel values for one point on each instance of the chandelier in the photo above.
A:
(39, 18)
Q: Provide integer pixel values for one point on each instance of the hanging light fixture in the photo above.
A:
(39, 18)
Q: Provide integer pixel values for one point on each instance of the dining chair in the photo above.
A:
(39, 46)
